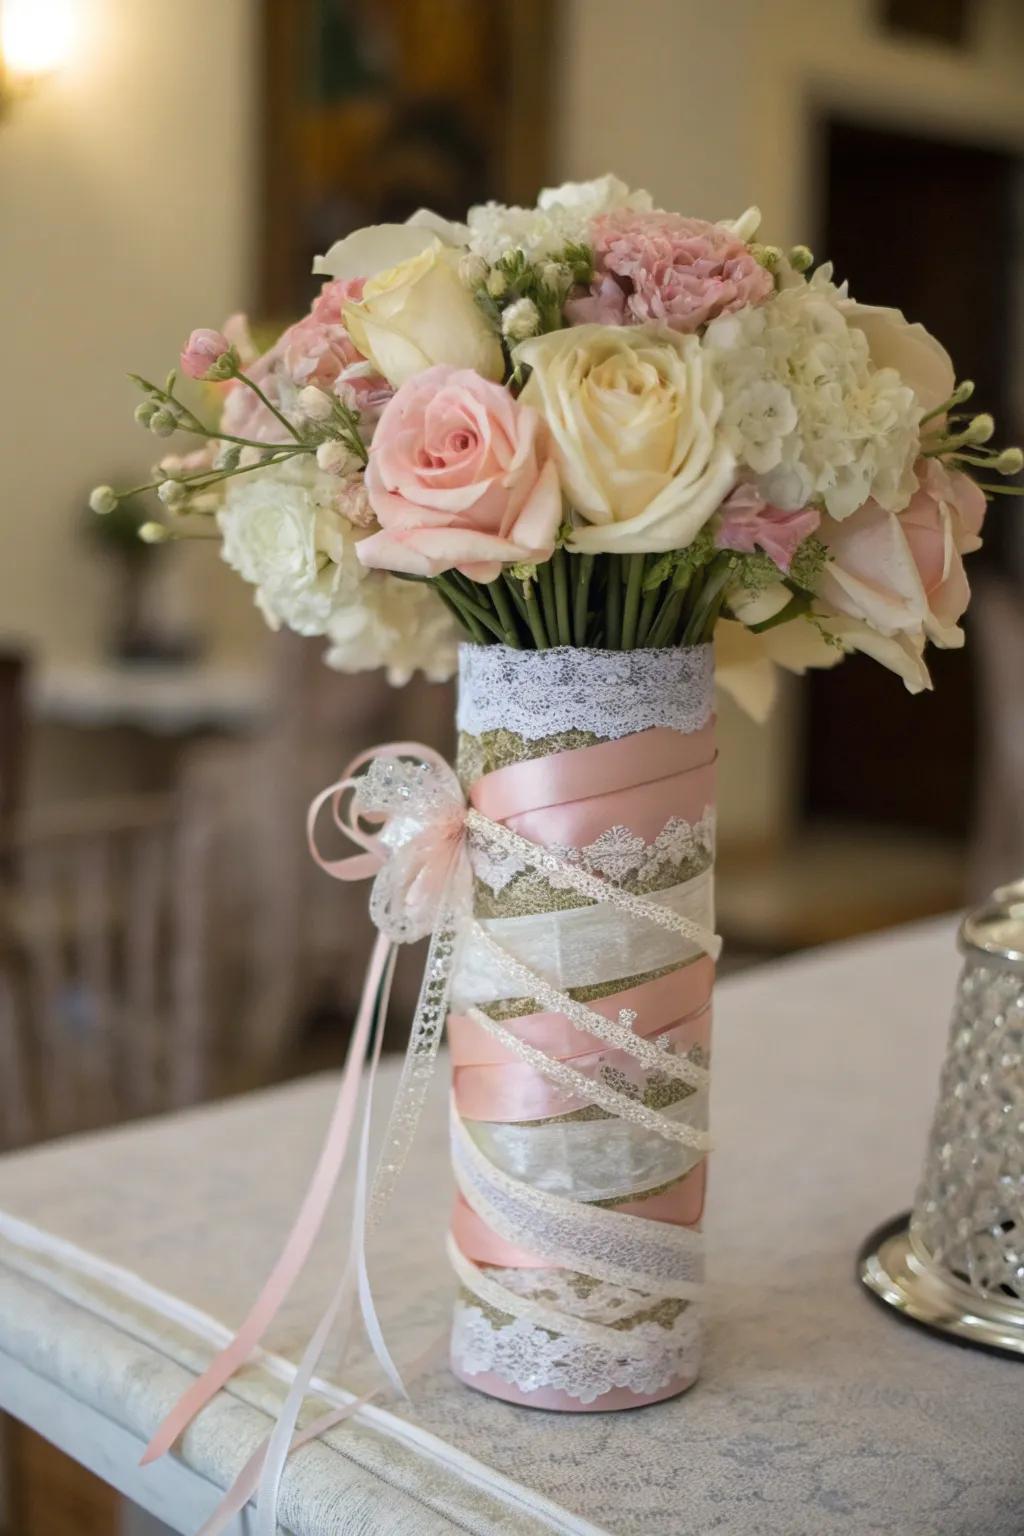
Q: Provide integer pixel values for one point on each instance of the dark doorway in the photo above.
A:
(929, 227)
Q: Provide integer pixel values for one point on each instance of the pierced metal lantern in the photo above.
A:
(957, 1263)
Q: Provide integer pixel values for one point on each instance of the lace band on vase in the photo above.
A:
(570, 1296)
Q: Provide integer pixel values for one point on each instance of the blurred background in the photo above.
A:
(163, 936)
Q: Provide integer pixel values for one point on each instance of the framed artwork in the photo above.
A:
(373, 108)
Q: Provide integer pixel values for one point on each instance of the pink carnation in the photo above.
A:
(680, 271)
(748, 522)
(315, 350)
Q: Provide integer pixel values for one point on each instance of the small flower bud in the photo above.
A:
(163, 423)
(205, 350)
(154, 533)
(172, 493)
(146, 410)
(1009, 462)
(963, 392)
(497, 283)
(335, 457)
(472, 270)
(315, 404)
(555, 275)
(228, 456)
(520, 320)
(103, 500)
(981, 429)
(801, 258)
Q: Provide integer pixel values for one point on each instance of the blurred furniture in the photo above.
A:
(997, 853)
(147, 953)
(124, 1260)
(165, 700)
(13, 669)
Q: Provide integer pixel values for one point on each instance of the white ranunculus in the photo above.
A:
(368, 251)
(402, 626)
(281, 532)
(808, 411)
(589, 198)
(634, 417)
(419, 313)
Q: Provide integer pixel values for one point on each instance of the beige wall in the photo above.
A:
(711, 107)
(126, 192)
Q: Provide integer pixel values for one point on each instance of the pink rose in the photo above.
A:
(748, 522)
(871, 574)
(680, 271)
(460, 475)
(203, 349)
(941, 524)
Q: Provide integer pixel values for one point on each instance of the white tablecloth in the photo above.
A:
(123, 1257)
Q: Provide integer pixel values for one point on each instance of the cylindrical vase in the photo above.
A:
(580, 1024)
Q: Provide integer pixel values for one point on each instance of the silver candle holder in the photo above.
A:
(956, 1263)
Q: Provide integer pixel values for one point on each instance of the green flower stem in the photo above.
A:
(613, 605)
(516, 596)
(584, 567)
(662, 631)
(506, 615)
(470, 604)
(451, 602)
(546, 584)
(648, 609)
(1000, 490)
(531, 609)
(244, 378)
(560, 560)
(631, 609)
(709, 602)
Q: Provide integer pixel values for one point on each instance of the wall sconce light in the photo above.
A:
(37, 38)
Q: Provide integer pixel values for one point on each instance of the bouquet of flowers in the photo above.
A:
(589, 423)
(589, 438)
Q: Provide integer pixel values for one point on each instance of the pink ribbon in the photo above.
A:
(309, 1220)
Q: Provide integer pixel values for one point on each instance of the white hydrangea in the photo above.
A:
(562, 217)
(402, 626)
(283, 533)
(807, 411)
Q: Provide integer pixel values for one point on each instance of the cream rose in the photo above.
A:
(634, 419)
(419, 313)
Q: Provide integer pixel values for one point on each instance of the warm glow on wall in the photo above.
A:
(37, 37)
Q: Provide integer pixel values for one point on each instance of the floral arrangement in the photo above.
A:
(589, 423)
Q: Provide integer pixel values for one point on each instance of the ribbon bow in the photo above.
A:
(409, 817)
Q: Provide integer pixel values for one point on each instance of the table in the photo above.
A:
(161, 698)
(125, 1257)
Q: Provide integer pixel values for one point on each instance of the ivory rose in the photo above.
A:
(460, 475)
(419, 313)
(941, 525)
(634, 417)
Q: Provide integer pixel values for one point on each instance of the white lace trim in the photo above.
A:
(529, 1357)
(609, 693)
(618, 855)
